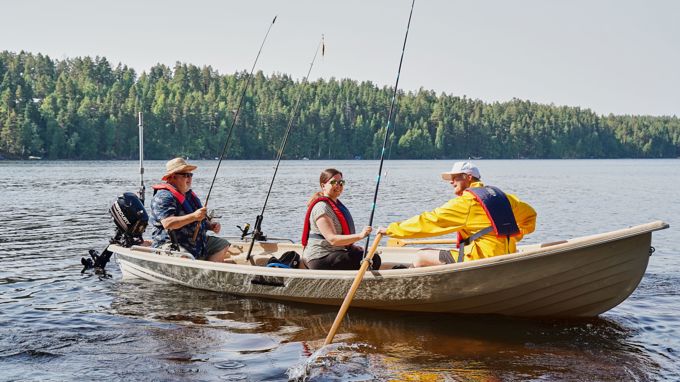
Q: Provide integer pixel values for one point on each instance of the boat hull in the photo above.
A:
(581, 277)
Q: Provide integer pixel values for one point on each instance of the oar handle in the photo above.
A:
(352, 290)
(401, 243)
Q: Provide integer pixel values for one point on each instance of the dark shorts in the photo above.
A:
(347, 261)
(214, 244)
(445, 257)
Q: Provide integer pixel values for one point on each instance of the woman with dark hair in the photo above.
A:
(328, 234)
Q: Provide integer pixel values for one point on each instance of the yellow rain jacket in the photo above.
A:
(466, 215)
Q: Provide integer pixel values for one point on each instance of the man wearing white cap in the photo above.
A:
(176, 210)
(488, 221)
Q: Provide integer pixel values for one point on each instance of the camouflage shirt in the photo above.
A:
(165, 205)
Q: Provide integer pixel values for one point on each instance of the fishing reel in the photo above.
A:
(244, 231)
(257, 234)
(211, 215)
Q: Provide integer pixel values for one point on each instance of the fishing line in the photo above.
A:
(369, 254)
(233, 122)
(257, 231)
(387, 130)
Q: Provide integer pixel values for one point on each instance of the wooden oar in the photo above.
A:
(352, 291)
(401, 243)
(369, 255)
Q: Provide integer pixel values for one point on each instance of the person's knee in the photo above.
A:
(220, 255)
(426, 259)
(422, 261)
(217, 249)
(418, 262)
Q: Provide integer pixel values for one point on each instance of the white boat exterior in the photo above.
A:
(580, 277)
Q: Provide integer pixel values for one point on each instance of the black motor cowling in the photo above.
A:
(131, 220)
(129, 215)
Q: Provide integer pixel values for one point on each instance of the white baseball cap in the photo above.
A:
(462, 168)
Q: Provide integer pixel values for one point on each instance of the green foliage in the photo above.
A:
(84, 108)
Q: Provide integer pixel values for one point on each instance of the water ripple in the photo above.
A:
(59, 324)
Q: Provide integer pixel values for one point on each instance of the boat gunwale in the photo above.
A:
(570, 245)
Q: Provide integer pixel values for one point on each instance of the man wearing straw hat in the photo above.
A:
(175, 212)
(488, 221)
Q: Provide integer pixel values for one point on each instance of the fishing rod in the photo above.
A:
(369, 255)
(257, 231)
(387, 130)
(233, 122)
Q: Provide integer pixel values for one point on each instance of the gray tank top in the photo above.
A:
(320, 248)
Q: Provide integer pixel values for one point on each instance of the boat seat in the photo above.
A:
(241, 258)
(259, 260)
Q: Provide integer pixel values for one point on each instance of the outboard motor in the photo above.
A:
(131, 220)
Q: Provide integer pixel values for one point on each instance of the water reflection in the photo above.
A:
(224, 331)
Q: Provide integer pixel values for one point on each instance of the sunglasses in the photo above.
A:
(341, 182)
(185, 174)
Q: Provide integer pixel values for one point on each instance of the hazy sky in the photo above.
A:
(620, 57)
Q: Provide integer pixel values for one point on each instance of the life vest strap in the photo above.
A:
(497, 208)
(475, 236)
(340, 211)
(189, 203)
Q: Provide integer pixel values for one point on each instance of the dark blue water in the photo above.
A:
(58, 324)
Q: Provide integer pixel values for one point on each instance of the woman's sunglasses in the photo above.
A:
(185, 174)
(341, 182)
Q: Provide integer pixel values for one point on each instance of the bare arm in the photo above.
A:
(325, 225)
(176, 222)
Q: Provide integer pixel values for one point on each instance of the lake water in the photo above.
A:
(58, 324)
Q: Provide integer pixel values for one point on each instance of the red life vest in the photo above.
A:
(188, 206)
(338, 212)
(189, 203)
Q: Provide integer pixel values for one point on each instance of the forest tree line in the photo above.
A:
(84, 108)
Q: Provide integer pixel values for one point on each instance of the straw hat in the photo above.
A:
(177, 165)
(462, 168)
